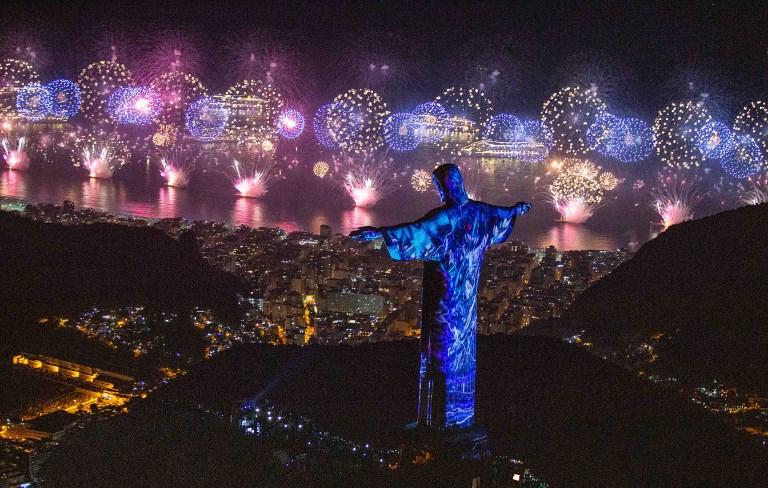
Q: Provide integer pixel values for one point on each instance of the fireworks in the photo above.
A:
(206, 119)
(114, 46)
(715, 140)
(607, 181)
(485, 65)
(137, 105)
(576, 191)
(14, 74)
(469, 110)
(260, 57)
(22, 42)
(603, 77)
(756, 194)
(569, 113)
(97, 82)
(15, 155)
(290, 124)
(575, 210)
(325, 127)
(705, 88)
(638, 141)
(504, 128)
(627, 140)
(366, 178)
(744, 160)
(177, 90)
(753, 121)
(269, 100)
(363, 191)
(33, 102)
(675, 199)
(421, 180)
(537, 132)
(401, 131)
(466, 103)
(581, 167)
(59, 99)
(254, 108)
(171, 52)
(676, 129)
(357, 117)
(321, 169)
(165, 136)
(373, 61)
(254, 170)
(607, 135)
(65, 98)
(432, 122)
(176, 166)
(432, 109)
(101, 154)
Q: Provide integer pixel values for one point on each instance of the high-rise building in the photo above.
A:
(325, 230)
(36, 460)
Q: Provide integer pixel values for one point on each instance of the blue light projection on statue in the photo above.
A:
(451, 240)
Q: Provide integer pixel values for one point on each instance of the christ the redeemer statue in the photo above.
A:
(451, 240)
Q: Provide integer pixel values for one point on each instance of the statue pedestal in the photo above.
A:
(422, 446)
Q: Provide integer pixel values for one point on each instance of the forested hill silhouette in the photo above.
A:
(576, 419)
(48, 268)
(702, 283)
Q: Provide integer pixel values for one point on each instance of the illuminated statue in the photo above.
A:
(451, 240)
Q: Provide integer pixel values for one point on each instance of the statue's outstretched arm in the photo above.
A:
(369, 233)
(426, 239)
(502, 220)
(366, 234)
(519, 208)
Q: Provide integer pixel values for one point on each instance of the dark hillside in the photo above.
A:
(574, 418)
(704, 284)
(48, 268)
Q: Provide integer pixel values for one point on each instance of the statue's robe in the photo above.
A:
(451, 240)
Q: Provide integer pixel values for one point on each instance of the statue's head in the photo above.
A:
(450, 185)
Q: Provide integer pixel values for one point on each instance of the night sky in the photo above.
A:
(644, 53)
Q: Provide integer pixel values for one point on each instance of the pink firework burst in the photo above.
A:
(366, 178)
(254, 169)
(15, 153)
(574, 210)
(177, 165)
(675, 198)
